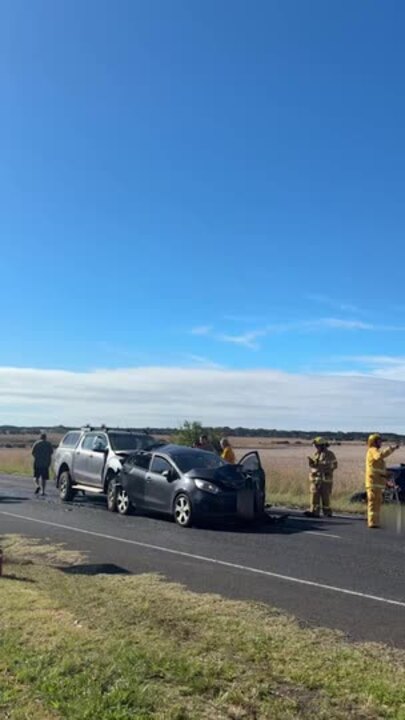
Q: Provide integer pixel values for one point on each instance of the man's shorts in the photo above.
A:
(41, 472)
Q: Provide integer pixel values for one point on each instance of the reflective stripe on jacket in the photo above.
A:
(376, 471)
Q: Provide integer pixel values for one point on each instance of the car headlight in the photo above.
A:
(207, 486)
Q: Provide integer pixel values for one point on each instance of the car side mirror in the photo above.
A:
(168, 474)
(100, 450)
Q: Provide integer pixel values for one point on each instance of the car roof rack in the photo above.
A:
(105, 428)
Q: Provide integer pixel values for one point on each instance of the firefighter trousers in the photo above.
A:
(374, 502)
(320, 496)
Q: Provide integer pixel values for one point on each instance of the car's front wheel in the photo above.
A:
(66, 491)
(182, 511)
(123, 503)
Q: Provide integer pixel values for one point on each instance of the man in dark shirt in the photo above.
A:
(42, 452)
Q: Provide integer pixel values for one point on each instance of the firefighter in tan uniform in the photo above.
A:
(376, 477)
(322, 465)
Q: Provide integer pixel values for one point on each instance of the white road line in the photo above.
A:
(322, 534)
(214, 561)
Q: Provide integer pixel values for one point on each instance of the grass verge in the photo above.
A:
(119, 647)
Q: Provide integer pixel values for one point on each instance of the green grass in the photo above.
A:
(122, 647)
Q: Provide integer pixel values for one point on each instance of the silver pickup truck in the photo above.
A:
(90, 459)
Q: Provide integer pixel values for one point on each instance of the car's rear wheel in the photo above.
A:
(122, 501)
(112, 493)
(66, 492)
(182, 510)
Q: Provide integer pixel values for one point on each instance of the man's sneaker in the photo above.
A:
(310, 513)
(36, 491)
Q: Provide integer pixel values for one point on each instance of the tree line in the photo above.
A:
(194, 427)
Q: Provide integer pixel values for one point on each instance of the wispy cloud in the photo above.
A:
(341, 324)
(334, 304)
(384, 366)
(162, 396)
(248, 339)
(252, 319)
(203, 362)
(201, 330)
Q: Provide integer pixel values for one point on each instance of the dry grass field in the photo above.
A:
(285, 464)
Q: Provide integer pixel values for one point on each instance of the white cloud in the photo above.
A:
(336, 304)
(384, 366)
(201, 330)
(160, 396)
(341, 324)
(247, 339)
(202, 361)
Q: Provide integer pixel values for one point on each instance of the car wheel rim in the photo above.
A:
(63, 486)
(122, 501)
(182, 510)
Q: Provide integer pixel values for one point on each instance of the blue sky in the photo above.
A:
(206, 186)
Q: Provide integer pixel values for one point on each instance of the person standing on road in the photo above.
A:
(205, 444)
(42, 453)
(376, 477)
(227, 453)
(322, 466)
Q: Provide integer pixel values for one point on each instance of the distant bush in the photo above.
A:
(189, 434)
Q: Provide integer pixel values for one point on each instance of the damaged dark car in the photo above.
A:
(191, 485)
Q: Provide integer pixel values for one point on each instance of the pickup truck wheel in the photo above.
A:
(66, 491)
(112, 494)
(123, 502)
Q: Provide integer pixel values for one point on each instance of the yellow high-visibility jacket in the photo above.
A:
(376, 471)
(323, 467)
(228, 455)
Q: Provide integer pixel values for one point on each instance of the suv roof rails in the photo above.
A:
(104, 428)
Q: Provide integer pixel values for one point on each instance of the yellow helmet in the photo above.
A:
(372, 439)
(320, 441)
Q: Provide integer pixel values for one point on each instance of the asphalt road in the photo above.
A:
(332, 573)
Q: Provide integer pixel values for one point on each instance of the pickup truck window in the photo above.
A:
(100, 442)
(88, 441)
(71, 439)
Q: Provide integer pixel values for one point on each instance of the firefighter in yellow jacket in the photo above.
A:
(322, 465)
(376, 477)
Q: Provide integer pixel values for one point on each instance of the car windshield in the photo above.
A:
(195, 460)
(131, 441)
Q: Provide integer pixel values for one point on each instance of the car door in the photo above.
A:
(133, 477)
(159, 484)
(96, 460)
(252, 468)
(81, 458)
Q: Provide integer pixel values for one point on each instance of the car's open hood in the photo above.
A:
(226, 476)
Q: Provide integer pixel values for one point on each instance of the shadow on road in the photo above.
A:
(284, 524)
(11, 499)
(95, 569)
